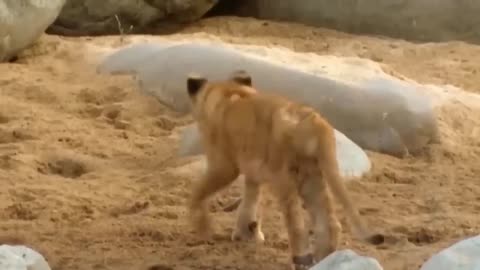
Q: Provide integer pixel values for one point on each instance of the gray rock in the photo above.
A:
(381, 113)
(21, 258)
(92, 17)
(347, 260)
(22, 22)
(464, 255)
(425, 20)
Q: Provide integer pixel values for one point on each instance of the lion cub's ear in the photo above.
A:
(195, 82)
(242, 77)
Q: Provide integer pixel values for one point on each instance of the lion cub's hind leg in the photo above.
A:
(215, 178)
(290, 203)
(248, 224)
(319, 204)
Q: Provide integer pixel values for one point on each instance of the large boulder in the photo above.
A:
(107, 17)
(432, 20)
(22, 22)
(379, 113)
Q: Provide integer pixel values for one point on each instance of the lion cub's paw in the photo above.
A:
(250, 232)
(258, 237)
(202, 225)
(304, 262)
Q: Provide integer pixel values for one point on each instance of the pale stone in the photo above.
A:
(464, 255)
(347, 260)
(21, 258)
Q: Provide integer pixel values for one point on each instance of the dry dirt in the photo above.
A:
(88, 177)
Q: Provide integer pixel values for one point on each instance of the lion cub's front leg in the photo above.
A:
(215, 178)
(248, 225)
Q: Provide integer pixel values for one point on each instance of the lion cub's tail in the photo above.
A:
(323, 145)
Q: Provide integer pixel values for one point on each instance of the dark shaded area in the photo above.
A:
(225, 8)
(13, 59)
(110, 26)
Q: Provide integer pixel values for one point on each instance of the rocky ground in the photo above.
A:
(88, 177)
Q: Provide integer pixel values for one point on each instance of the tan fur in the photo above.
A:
(272, 141)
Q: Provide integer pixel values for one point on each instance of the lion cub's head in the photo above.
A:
(207, 95)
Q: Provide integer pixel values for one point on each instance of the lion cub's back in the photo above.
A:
(258, 135)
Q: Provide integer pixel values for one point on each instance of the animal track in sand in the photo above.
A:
(113, 115)
(419, 236)
(66, 165)
(4, 118)
(21, 211)
(136, 208)
(108, 95)
(423, 236)
(14, 135)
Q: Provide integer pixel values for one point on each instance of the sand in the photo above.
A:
(88, 175)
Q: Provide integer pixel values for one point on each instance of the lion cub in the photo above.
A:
(273, 141)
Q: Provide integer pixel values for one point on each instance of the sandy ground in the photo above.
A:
(87, 174)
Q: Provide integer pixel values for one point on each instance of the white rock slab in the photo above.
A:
(21, 258)
(464, 255)
(379, 112)
(347, 260)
